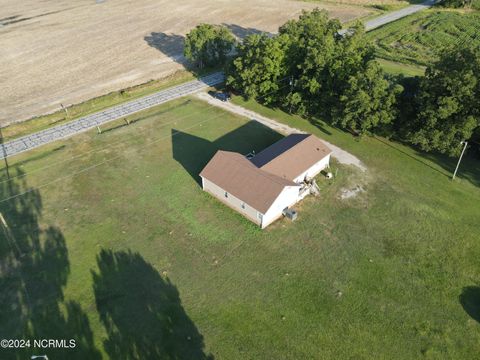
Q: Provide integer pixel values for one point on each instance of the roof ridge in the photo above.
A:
(264, 173)
(291, 156)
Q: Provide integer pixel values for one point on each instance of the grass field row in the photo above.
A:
(111, 241)
(419, 38)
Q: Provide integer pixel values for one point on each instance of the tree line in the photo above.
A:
(457, 4)
(312, 70)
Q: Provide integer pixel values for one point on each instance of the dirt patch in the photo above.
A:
(351, 193)
(64, 53)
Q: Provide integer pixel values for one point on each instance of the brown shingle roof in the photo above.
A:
(238, 176)
(291, 156)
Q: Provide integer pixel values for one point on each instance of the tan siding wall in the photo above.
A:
(231, 201)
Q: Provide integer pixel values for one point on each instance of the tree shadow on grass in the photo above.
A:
(470, 300)
(417, 158)
(468, 170)
(194, 152)
(320, 125)
(34, 268)
(142, 311)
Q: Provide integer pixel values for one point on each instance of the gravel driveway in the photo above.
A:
(341, 155)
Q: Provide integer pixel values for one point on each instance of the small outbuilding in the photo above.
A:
(262, 187)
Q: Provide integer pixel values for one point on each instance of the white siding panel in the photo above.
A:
(288, 197)
(314, 170)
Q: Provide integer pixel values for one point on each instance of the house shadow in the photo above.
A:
(34, 268)
(194, 152)
(470, 300)
(170, 45)
(142, 312)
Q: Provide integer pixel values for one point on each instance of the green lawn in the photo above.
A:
(111, 242)
(397, 68)
(419, 38)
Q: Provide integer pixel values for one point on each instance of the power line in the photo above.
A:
(120, 141)
(95, 150)
(88, 168)
(117, 156)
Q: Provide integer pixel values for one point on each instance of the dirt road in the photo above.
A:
(59, 51)
(341, 155)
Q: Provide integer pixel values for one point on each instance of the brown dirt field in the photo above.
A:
(58, 51)
(365, 2)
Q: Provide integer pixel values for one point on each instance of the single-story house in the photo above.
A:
(262, 187)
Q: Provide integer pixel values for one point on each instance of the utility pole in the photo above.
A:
(65, 110)
(460, 159)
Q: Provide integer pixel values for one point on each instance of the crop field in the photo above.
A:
(369, 3)
(109, 240)
(418, 39)
(62, 52)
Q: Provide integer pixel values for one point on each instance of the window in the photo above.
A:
(226, 194)
(243, 205)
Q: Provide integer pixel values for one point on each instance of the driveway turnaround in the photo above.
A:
(85, 123)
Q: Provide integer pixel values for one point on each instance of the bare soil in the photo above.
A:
(367, 2)
(58, 51)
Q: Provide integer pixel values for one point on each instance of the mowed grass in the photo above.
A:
(419, 38)
(398, 68)
(121, 250)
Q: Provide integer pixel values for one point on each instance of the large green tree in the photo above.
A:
(448, 102)
(368, 100)
(259, 69)
(311, 46)
(208, 45)
(310, 68)
(457, 3)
